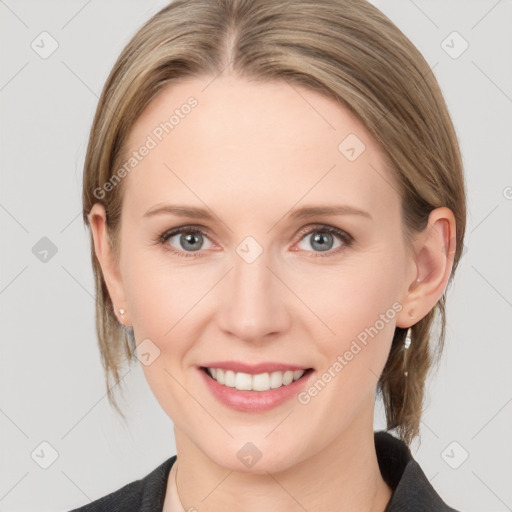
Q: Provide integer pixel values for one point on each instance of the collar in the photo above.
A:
(412, 491)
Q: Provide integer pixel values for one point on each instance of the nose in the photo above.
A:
(253, 301)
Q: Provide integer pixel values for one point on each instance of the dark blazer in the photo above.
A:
(412, 492)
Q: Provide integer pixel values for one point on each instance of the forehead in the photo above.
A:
(253, 141)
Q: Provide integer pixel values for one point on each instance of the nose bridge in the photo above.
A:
(252, 278)
(255, 305)
(251, 261)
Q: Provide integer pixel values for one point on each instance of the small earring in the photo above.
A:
(407, 344)
(122, 312)
(408, 340)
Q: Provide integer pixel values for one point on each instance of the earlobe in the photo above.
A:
(434, 250)
(109, 265)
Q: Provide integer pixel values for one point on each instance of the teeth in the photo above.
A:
(259, 382)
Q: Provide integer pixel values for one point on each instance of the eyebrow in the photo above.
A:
(305, 212)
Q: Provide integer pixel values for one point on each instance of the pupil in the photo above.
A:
(189, 238)
(320, 239)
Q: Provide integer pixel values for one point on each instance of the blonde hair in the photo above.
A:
(346, 50)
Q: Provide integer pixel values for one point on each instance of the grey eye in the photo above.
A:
(321, 240)
(189, 241)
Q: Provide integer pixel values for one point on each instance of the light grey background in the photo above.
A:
(51, 377)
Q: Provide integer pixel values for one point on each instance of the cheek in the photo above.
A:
(167, 304)
(164, 304)
(160, 292)
(357, 305)
(352, 295)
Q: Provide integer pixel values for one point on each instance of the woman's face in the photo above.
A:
(258, 281)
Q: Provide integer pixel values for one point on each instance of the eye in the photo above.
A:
(323, 239)
(188, 241)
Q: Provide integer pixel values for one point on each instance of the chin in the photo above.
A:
(252, 458)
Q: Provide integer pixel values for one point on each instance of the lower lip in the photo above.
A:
(254, 401)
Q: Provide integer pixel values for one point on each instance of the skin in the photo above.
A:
(252, 152)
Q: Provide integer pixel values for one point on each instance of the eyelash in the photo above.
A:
(320, 228)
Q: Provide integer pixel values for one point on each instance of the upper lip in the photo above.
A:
(254, 369)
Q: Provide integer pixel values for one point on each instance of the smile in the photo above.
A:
(258, 382)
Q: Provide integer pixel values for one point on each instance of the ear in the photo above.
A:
(434, 250)
(108, 263)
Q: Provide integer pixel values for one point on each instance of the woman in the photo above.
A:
(276, 201)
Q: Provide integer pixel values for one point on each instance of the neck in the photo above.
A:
(343, 476)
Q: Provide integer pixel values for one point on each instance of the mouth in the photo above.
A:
(259, 382)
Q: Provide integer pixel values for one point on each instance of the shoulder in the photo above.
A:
(143, 495)
(411, 488)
